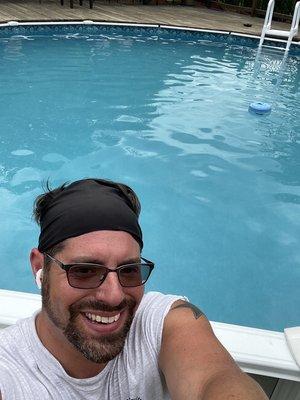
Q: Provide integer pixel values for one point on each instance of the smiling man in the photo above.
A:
(98, 336)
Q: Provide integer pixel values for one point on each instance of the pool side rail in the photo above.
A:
(292, 336)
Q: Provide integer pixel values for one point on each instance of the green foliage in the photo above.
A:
(281, 6)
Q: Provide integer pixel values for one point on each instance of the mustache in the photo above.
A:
(97, 305)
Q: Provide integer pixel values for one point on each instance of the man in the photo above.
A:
(97, 335)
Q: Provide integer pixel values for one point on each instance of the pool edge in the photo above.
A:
(294, 45)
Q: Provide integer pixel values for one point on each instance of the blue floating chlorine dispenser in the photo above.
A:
(260, 108)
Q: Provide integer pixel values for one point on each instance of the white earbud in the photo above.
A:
(38, 278)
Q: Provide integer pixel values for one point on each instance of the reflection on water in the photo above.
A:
(219, 186)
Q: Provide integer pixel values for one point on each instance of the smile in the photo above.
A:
(101, 319)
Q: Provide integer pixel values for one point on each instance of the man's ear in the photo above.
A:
(36, 260)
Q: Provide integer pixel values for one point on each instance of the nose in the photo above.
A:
(110, 291)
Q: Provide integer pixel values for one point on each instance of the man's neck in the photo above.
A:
(73, 362)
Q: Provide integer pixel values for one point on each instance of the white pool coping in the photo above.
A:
(145, 25)
(256, 351)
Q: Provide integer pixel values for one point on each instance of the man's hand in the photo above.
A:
(195, 364)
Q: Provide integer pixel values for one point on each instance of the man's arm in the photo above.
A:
(195, 364)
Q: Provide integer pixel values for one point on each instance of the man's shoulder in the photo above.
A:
(11, 329)
(12, 337)
(9, 347)
(153, 309)
(8, 343)
(146, 330)
(8, 333)
(14, 345)
(155, 300)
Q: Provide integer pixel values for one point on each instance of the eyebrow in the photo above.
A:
(89, 260)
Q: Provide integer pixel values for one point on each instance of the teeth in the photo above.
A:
(103, 320)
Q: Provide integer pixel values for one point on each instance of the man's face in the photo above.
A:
(75, 311)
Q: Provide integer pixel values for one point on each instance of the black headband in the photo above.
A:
(86, 206)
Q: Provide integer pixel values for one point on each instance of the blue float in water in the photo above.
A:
(260, 108)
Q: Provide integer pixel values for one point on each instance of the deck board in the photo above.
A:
(195, 17)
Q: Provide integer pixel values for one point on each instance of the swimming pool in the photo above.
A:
(166, 112)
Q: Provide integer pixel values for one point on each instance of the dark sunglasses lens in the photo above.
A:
(86, 277)
(134, 274)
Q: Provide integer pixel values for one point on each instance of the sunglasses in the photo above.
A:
(91, 276)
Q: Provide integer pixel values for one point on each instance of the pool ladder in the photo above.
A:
(268, 31)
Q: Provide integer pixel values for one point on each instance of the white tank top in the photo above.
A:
(28, 371)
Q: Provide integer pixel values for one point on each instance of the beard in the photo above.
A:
(96, 349)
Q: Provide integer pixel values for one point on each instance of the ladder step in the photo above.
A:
(276, 32)
(273, 47)
(267, 30)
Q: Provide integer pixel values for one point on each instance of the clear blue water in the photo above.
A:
(219, 186)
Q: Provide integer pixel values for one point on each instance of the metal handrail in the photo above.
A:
(268, 22)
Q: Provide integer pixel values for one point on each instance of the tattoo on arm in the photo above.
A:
(196, 311)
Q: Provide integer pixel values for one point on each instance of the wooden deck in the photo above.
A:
(196, 17)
